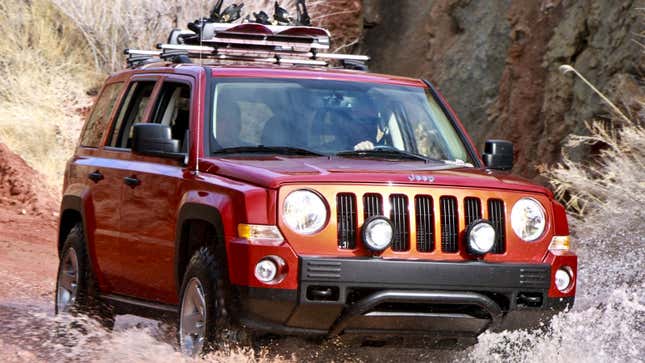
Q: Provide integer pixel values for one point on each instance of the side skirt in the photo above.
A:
(147, 309)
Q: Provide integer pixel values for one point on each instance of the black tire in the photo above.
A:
(87, 295)
(205, 268)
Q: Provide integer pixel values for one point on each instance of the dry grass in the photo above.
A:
(617, 178)
(45, 78)
(109, 27)
(610, 186)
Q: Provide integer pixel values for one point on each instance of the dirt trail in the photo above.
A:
(27, 231)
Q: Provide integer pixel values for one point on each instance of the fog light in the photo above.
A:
(563, 278)
(266, 270)
(480, 236)
(377, 233)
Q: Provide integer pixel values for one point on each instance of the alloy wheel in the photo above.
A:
(67, 291)
(192, 322)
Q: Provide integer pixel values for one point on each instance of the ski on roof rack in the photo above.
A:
(216, 38)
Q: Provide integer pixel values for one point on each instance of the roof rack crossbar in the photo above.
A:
(206, 51)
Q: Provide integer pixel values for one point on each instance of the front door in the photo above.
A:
(149, 206)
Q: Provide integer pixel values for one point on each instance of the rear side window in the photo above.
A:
(131, 112)
(100, 117)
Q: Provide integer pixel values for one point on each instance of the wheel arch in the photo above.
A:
(71, 213)
(189, 216)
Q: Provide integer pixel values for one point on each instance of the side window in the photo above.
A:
(98, 120)
(173, 110)
(131, 112)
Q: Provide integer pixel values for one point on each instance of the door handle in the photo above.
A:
(131, 181)
(95, 176)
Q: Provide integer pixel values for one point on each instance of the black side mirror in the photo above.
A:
(155, 140)
(498, 154)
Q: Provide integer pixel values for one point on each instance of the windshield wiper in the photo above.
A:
(285, 150)
(384, 152)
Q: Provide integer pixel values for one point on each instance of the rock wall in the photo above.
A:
(497, 63)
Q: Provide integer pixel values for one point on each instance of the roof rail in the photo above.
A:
(249, 42)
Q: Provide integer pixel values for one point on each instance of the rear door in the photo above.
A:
(111, 167)
(91, 170)
(149, 207)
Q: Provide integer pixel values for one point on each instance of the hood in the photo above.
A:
(271, 171)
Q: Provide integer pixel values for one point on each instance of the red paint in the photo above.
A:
(243, 257)
(559, 259)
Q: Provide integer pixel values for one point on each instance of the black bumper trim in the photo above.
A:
(402, 274)
(430, 297)
(348, 295)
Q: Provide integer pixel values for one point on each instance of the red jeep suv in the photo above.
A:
(246, 181)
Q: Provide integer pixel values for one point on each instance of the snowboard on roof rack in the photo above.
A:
(254, 34)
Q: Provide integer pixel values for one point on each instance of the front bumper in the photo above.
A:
(369, 296)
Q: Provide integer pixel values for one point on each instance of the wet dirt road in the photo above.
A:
(29, 331)
(607, 323)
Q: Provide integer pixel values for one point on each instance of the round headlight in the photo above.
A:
(304, 212)
(481, 237)
(528, 219)
(563, 279)
(377, 233)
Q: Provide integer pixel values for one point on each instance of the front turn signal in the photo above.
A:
(260, 234)
(560, 243)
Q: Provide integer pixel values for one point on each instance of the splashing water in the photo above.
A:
(607, 322)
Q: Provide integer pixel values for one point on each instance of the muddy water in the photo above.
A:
(607, 323)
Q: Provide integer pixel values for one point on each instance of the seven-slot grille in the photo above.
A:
(423, 210)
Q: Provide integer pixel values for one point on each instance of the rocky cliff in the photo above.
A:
(497, 63)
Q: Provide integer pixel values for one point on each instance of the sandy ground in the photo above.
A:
(28, 260)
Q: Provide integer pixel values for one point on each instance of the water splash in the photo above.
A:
(607, 322)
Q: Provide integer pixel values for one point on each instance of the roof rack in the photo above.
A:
(249, 42)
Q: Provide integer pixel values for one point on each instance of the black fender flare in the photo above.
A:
(195, 211)
(70, 202)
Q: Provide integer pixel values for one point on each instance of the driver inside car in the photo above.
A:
(376, 132)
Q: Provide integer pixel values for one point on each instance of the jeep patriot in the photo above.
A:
(300, 198)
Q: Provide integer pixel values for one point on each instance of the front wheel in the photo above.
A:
(202, 309)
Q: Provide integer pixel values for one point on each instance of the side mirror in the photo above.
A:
(498, 154)
(154, 140)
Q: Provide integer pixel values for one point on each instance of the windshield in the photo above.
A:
(331, 118)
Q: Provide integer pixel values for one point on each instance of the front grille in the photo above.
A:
(346, 220)
(400, 221)
(496, 217)
(473, 210)
(425, 223)
(449, 224)
(436, 229)
(372, 205)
